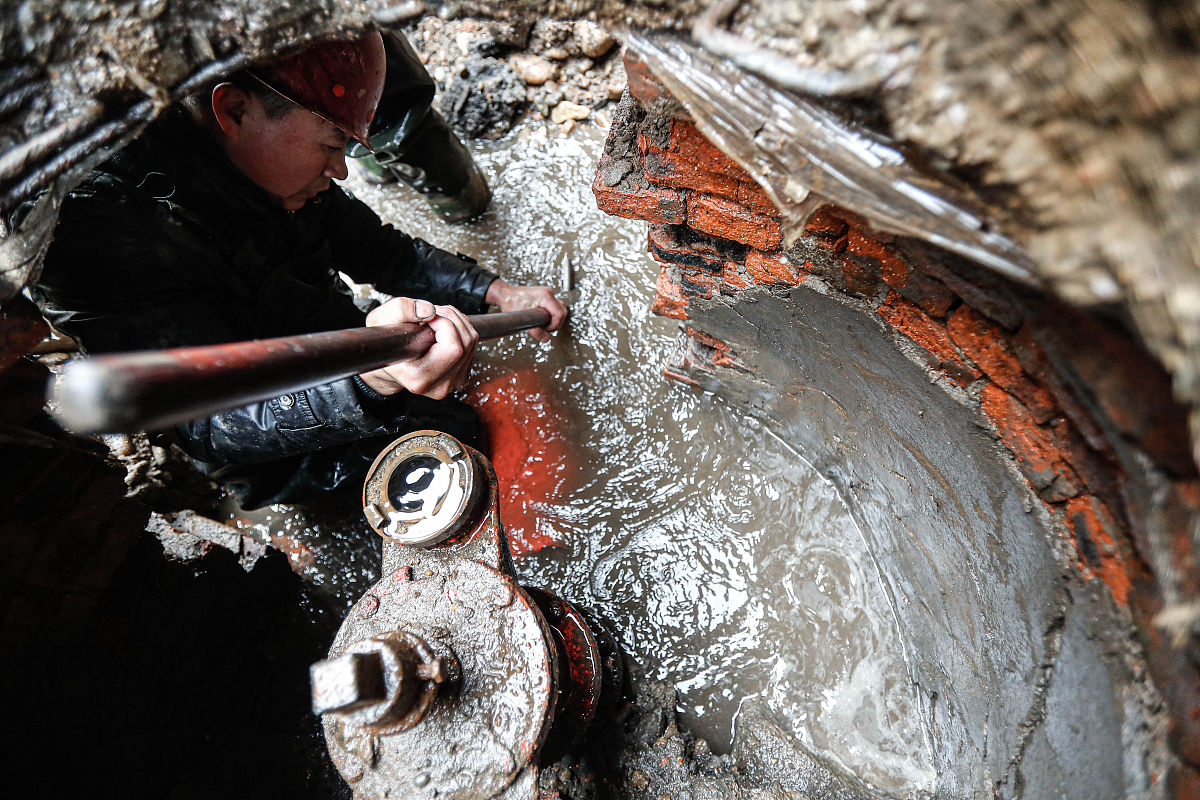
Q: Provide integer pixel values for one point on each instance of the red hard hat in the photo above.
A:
(340, 81)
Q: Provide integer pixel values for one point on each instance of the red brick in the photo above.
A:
(861, 276)
(986, 345)
(752, 196)
(668, 297)
(733, 277)
(708, 340)
(826, 226)
(648, 90)
(1034, 446)
(893, 271)
(1132, 388)
(725, 358)
(671, 374)
(687, 140)
(1036, 364)
(1098, 473)
(651, 204)
(728, 220)
(300, 556)
(681, 245)
(722, 354)
(1102, 546)
(681, 171)
(929, 335)
(850, 219)
(695, 283)
(929, 293)
(913, 285)
(771, 268)
(1173, 671)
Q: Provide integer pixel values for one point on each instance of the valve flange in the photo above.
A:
(445, 678)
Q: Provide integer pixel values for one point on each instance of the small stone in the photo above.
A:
(568, 126)
(510, 33)
(463, 40)
(567, 110)
(534, 70)
(557, 53)
(593, 41)
(550, 34)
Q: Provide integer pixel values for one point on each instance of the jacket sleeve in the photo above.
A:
(398, 264)
(113, 287)
(313, 419)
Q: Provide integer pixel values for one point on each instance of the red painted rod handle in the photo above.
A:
(155, 389)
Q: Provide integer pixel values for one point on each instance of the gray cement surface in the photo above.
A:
(1001, 644)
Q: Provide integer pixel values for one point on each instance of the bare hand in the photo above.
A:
(514, 298)
(443, 368)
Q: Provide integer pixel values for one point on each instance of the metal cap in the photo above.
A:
(422, 489)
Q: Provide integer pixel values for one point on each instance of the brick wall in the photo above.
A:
(1070, 418)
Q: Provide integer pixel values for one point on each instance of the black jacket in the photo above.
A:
(168, 244)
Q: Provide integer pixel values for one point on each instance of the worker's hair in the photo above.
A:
(275, 105)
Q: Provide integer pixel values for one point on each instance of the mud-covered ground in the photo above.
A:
(491, 75)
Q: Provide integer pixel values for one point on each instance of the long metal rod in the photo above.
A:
(155, 389)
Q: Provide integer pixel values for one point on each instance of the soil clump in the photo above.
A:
(491, 75)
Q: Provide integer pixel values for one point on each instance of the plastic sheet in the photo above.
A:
(804, 156)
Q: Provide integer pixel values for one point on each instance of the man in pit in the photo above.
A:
(221, 223)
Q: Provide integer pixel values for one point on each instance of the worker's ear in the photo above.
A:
(229, 107)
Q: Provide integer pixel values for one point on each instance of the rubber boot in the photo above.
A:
(412, 143)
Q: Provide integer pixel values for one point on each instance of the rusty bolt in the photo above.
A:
(348, 682)
(383, 685)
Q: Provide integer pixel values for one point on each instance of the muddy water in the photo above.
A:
(720, 560)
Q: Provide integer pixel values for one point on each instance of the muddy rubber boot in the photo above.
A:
(372, 172)
(412, 143)
(438, 165)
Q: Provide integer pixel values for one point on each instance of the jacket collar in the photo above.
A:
(178, 162)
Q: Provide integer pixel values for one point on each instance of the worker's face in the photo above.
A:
(292, 157)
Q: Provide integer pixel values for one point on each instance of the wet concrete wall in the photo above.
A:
(990, 623)
(1006, 488)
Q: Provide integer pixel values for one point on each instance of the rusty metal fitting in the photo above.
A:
(384, 684)
(422, 489)
(522, 661)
